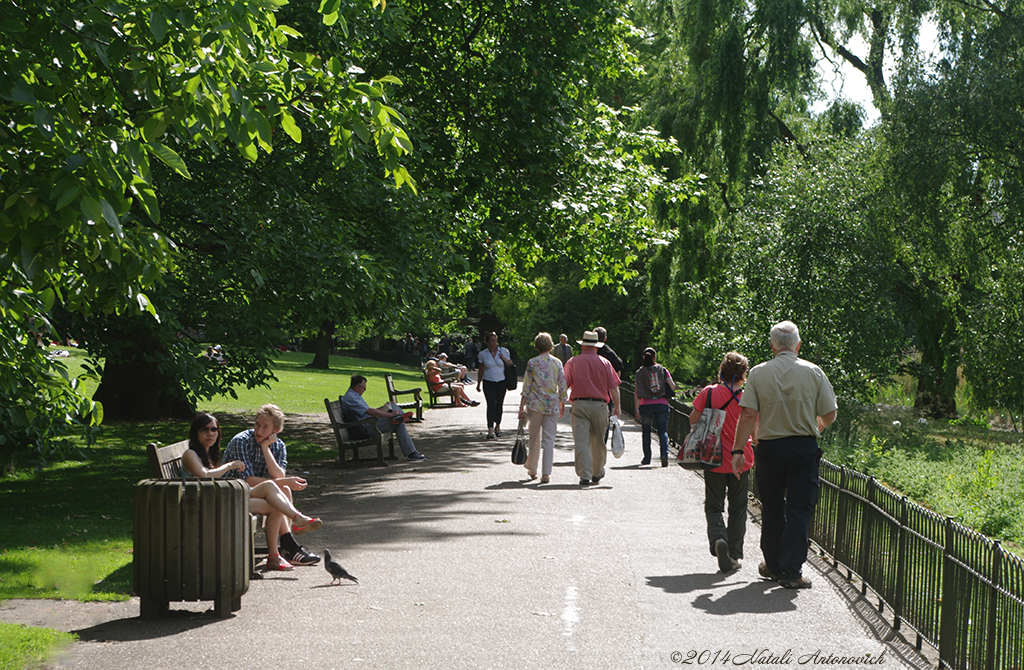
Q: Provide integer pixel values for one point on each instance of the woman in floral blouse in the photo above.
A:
(543, 401)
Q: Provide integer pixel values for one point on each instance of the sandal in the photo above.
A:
(314, 524)
(280, 565)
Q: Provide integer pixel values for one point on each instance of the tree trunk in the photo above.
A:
(940, 359)
(322, 346)
(136, 389)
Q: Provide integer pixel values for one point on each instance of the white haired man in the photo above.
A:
(791, 401)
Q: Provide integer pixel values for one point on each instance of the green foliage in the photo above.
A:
(98, 99)
(557, 302)
(24, 647)
(960, 469)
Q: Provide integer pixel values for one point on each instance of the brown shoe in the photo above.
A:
(766, 573)
(798, 583)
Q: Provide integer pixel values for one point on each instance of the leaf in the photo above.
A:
(67, 196)
(154, 127)
(249, 150)
(368, 90)
(47, 297)
(44, 121)
(110, 216)
(148, 199)
(91, 210)
(263, 128)
(170, 157)
(22, 94)
(158, 25)
(289, 126)
(330, 6)
(144, 303)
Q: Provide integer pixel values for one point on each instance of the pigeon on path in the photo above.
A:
(339, 573)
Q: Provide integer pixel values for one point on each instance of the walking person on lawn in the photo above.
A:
(790, 401)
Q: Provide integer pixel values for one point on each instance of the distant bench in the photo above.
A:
(393, 395)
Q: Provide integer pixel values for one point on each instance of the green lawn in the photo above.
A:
(298, 389)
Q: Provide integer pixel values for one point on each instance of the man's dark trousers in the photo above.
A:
(786, 472)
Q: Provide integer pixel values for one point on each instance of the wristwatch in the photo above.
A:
(737, 452)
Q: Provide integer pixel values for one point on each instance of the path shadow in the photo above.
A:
(760, 597)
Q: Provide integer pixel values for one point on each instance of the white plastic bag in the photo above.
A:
(618, 443)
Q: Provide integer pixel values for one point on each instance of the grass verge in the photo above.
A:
(24, 647)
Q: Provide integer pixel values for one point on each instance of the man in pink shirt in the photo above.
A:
(594, 382)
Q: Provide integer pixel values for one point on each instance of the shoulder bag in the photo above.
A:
(702, 448)
(511, 376)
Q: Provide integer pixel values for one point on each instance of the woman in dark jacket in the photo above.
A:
(653, 384)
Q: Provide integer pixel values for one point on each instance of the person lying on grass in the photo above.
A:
(202, 460)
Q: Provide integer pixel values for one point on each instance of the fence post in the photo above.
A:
(867, 537)
(947, 610)
(997, 564)
(841, 515)
(901, 564)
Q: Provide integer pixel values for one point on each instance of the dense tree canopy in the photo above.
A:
(93, 98)
(925, 215)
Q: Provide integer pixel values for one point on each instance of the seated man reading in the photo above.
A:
(389, 418)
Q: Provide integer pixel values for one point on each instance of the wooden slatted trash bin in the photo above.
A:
(192, 541)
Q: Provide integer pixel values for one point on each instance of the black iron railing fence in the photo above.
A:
(956, 589)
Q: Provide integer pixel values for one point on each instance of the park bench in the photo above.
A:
(446, 388)
(416, 403)
(346, 442)
(192, 540)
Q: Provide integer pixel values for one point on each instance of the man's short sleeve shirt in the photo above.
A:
(788, 394)
(353, 407)
(243, 447)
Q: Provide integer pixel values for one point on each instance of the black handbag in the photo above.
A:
(519, 448)
(511, 377)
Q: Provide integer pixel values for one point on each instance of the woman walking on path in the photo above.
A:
(543, 401)
(491, 374)
(726, 540)
(650, 398)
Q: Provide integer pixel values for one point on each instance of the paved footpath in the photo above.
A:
(463, 563)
